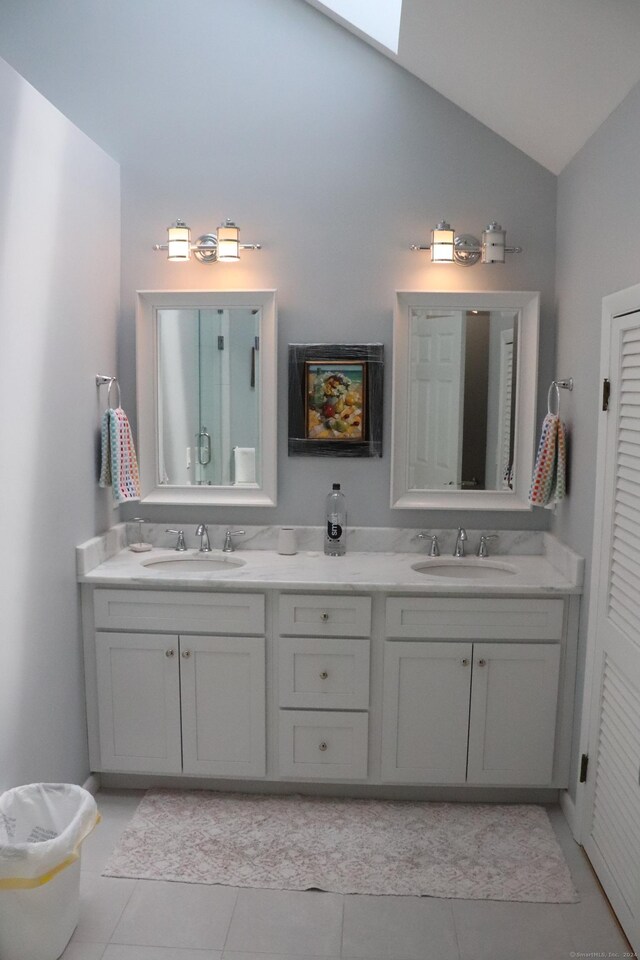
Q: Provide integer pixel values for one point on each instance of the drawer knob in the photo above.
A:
(186, 654)
(465, 662)
(324, 617)
(323, 746)
(482, 663)
(169, 653)
(324, 674)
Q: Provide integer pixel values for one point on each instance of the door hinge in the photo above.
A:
(606, 393)
(584, 764)
(220, 343)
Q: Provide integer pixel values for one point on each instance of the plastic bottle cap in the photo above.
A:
(336, 486)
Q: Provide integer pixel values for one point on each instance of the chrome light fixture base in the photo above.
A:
(466, 250)
(206, 249)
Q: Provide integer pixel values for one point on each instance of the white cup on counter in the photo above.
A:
(287, 541)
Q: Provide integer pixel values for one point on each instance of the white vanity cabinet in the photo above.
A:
(180, 702)
(465, 710)
(319, 686)
(323, 671)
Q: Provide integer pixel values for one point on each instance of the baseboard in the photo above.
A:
(569, 809)
(92, 783)
(132, 781)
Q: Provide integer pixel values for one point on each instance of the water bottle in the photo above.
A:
(335, 534)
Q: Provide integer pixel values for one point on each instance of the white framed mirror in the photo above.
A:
(465, 371)
(206, 396)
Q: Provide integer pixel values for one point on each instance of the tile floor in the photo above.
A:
(149, 920)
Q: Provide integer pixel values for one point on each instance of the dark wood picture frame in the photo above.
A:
(368, 356)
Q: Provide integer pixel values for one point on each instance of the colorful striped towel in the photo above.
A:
(119, 463)
(548, 484)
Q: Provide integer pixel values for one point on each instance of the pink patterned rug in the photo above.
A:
(468, 851)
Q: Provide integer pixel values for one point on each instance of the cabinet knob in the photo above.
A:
(465, 662)
(324, 617)
(324, 674)
(186, 654)
(323, 746)
(169, 653)
(482, 663)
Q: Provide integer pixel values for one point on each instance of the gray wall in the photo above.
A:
(598, 216)
(321, 148)
(58, 315)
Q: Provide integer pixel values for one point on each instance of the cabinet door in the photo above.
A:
(513, 713)
(425, 711)
(222, 681)
(139, 702)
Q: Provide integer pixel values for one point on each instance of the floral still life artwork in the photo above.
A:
(335, 400)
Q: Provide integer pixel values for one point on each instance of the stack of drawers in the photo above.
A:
(323, 671)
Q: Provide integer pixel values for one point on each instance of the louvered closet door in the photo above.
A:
(613, 797)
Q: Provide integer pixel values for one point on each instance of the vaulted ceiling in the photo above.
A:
(544, 74)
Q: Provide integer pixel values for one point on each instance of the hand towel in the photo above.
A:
(119, 463)
(244, 460)
(548, 483)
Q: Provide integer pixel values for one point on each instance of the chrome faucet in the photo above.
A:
(461, 539)
(180, 545)
(434, 549)
(228, 542)
(483, 551)
(203, 533)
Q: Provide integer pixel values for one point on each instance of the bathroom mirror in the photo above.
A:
(206, 375)
(464, 400)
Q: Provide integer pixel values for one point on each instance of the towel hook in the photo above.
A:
(558, 385)
(101, 380)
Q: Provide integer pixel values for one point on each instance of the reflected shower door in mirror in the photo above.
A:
(208, 396)
(464, 390)
(206, 374)
(462, 399)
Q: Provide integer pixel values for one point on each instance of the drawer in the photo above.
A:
(324, 673)
(475, 619)
(179, 611)
(323, 745)
(325, 615)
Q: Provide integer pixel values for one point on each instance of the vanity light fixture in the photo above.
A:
(223, 245)
(465, 249)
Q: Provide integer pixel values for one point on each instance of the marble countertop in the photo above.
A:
(557, 571)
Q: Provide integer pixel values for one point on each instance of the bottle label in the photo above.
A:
(334, 530)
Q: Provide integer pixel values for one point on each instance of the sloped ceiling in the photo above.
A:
(544, 74)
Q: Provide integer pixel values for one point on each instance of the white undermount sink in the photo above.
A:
(193, 564)
(465, 568)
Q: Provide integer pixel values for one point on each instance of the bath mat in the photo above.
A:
(468, 851)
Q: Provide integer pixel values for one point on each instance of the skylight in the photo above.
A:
(379, 19)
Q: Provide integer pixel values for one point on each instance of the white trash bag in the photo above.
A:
(42, 826)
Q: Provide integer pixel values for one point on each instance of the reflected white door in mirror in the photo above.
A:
(206, 384)
(464, 400)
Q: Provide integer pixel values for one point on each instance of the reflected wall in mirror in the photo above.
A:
(465, 371)
(206, 397)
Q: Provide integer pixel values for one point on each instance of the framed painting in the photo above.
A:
(335, 399)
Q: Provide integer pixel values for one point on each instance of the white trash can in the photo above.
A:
(42, 826)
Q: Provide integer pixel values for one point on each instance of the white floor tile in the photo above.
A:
(398, 928)
(593, 928)
(305, 923)
(489, 930)
(116, 809)
(233, 955)
(84, 951)
(102, 901)
(183, 915)
(119, 952)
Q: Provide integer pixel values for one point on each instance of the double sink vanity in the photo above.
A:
(385, 668)
(375, 668)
